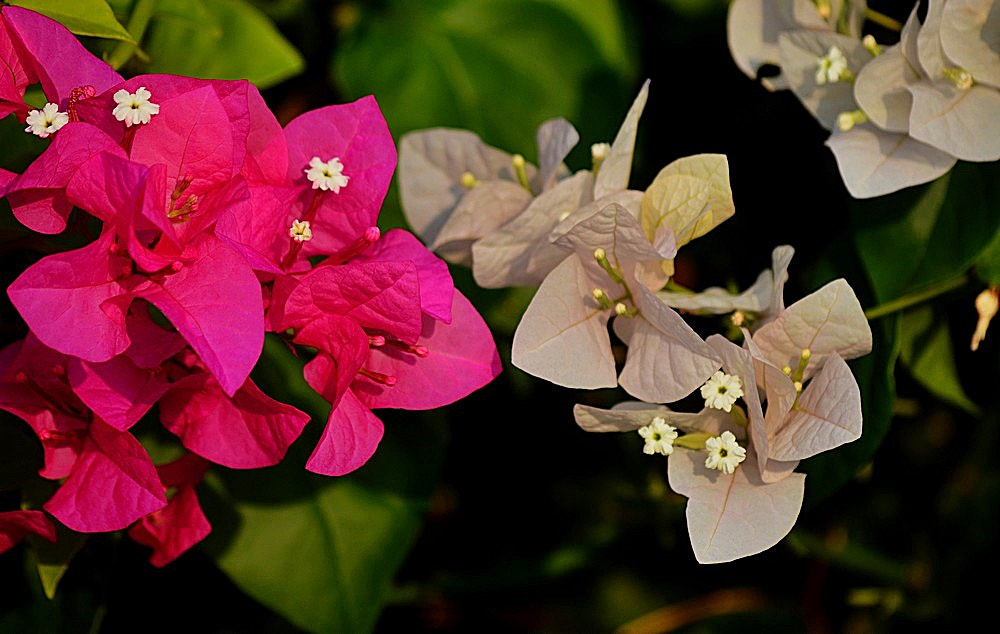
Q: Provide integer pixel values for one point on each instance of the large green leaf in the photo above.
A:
(922, 235)
(499, 67)
(829, 471)
(322, 551)
(323, 562)
(220, 39)
(925, 347)
(83, 17)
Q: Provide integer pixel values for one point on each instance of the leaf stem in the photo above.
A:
(883, 20)
(142, 13)
(906, 301)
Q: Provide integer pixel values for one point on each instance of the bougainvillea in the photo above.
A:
(902, 113)
(206, 224)
(605, 252)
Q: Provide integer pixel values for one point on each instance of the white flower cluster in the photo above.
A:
(900, 115)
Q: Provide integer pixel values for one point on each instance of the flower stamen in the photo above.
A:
(601, 256)
(359, 246)
(987, 304)
(659, 437)
(300, 231)
(77, 95)
(189, 206)
(724, 453)
(46, 121)
(722, 390)
(384, 379)
(602, 299)
(960, 77)
(134, 108)
(521, 171)
(847, 120)
(870, 45)
(326, 176)
(832, 67)
(599, 152)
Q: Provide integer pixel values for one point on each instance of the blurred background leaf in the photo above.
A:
(911, 239)
(322, 551)
(92, 18)
(926, 350)
(452, 63)
(217, 39)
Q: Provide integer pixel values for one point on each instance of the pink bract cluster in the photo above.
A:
(211, 225)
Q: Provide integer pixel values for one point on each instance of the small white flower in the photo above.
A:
(659, 437)
(327, 176)
(300, 231)
(134, 107)
(724, 453)
(722, 390)
(44, 122)
(832, 67)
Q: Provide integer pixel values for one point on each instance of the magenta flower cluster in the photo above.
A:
(212, 225)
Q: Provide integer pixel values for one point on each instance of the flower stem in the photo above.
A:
(853, 556)
(915, 298)
(883, 20)
(142, 12)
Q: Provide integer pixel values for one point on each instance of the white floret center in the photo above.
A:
(326, 175)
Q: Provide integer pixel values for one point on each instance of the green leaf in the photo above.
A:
(922, 235)
(988, 263)
(322, 551)
(52, 560)
(499, 67)
(603, 23)
(92, 18)
(324, 562)
(925, 347)
(221, 39)
(830, 470)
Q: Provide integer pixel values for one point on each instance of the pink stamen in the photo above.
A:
(190, 206)
(187, 358)
(378, 377)
(182, 184)
(376, 341)
(77, 95)
(415, 349)
(56, 436)
(359, 246)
